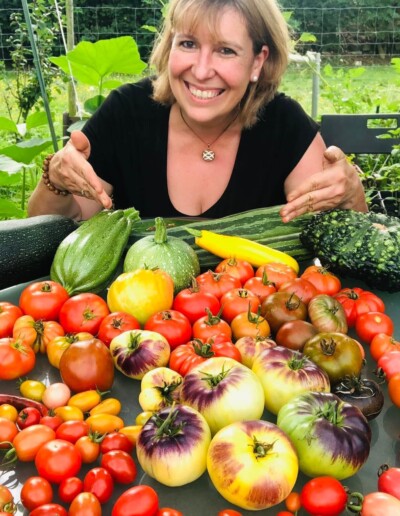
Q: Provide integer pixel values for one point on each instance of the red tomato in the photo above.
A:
(356, 301)
(69, 488)
(237, 268)
(8, 430)
(185, 357)
(217, 283)
(9, 313)
(237, 301)
(303, 288)
(116, 441)
(229, 512)
(172, 325)
(52, 420)
(120, 465)
(116, 323)
(83, 312)
(389, 363)
(36, 491)
(27, 417)
(193, 302)
(323, 496)
(6, 499)
(72, 430)
(260, 286)
(324, 281)
(293, 502)
(382, 343)
(43, 300)
(99, 482)
(57, 460)
(278, 273)
(137, 501)
(167, 511)
(389, 480)
(210, 326)
(370, 324)
(88, 447)
(49, 509)
(285, 513)
(85, 504)
(16, 359)
(394, 389)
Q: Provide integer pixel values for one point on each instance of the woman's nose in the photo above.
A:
(203, 67)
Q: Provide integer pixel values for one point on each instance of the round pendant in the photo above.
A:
(208, 155)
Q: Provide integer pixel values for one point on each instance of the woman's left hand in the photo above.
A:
(338, 185)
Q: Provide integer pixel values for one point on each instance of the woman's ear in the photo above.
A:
(259, 61)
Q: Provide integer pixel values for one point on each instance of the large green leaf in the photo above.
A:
(90, 62)
(9, 165)
(26, 151)
(36, 119)
(6, 124)
(10, 210)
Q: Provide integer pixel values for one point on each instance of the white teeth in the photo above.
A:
(204, 94)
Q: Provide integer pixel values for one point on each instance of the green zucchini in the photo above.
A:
(263, 225)
(86, 260)
(28, 246)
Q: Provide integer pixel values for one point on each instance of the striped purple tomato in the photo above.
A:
(172, 446)
(331, 437)
(285, 373)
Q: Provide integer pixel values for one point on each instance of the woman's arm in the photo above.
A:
(323, 179)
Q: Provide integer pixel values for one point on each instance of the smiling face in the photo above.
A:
(209, 72)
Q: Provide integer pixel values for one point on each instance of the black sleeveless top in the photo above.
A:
(129, 134)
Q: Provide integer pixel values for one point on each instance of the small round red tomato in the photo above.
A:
(193, 302)
(238, 268)
(85, 504)
(217, 283)
(229, 512)
(323, 496)
(16, 359)
(43, 300)
(382, 343)
(28, 416)
(51, 420)
(389, 480)
(394, 389)
(172, 325)
(143, 498)
(72, 430)
(303, 288)
(293, 502)
(210, 326)
(49, 509)
(36, 491)
(356, 301)
(260, 286)
(370, 324)
(167, 511)
(99, 482)
(389, 363)
(324, 281)
(236, 301)
(120, 465)
(83, 312)
(116, 441)
(57, 460)
(69, 488)
(276, 272)
(9, 313)
(116, 323)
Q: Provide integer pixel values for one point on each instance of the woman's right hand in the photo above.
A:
(70, 170)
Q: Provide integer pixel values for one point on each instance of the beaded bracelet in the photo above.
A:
(46, 178)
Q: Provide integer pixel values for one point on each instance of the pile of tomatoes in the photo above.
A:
(210, 318)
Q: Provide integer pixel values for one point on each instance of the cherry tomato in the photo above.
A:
(57, 460)
(114, 324)
(69, 488)
(99, 482)
(285, 513)
(6, 500)
(32, 389)
(8, 411)
(27, 417)
(389, 480)
(85, 504)
(9, 313)
(229, 512)
(324, 281)
(293, 502)
(49, 509)
(217, 283)
(36, 491)
(370, 324)
(394, 389)
(236, 301)
(116, 441)
(323, 496)
(138, 501)
(356, 301)
(173, 325)
(381, 343)
(83, 312)
(238, 268)
(278, 273)
(43, 300)
(72, 430)
(167, 511)
(120, 465)
(8, 430)
(89, 447)
(16, 359)
(389, 364)
(52, 420)
(210, 326)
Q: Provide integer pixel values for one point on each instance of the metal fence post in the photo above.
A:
(315, 85)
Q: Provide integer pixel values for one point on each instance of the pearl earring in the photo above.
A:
(254, 78)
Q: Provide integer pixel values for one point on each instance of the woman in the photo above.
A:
(209, 135)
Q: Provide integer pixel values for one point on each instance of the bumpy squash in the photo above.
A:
(168, 253)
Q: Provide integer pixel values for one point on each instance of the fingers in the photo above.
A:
(332, 155)
(81, 143)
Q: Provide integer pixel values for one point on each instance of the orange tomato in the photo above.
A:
(394, 389)
(36, 334)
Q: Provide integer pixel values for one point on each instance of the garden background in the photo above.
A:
(346, 59)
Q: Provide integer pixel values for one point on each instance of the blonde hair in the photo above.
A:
(265, 25)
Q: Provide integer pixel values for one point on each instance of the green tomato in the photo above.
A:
(32, 389)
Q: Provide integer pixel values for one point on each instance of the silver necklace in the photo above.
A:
(208, 154)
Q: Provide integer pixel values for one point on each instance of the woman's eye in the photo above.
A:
(227, 51)
(187, 44)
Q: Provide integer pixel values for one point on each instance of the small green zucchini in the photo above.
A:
(86, 260)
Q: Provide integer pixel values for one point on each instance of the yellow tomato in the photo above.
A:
(8, 412)
(108, 406)
(143, 417)
(85, 400)
(32, 389)
(132, 432)
(68, 413)
(141, 293)
(105, 423)
(56, 347)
